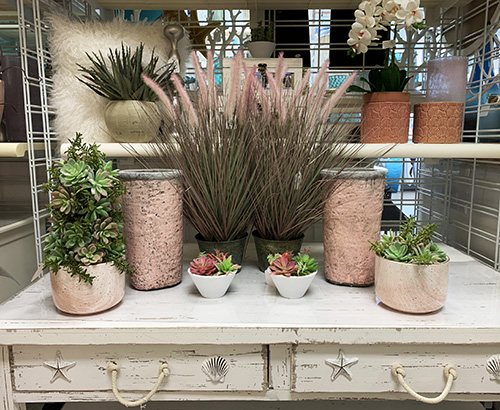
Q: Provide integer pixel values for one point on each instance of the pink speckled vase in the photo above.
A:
(352, 219)
(438, 122)
(385, 118)
(152, 212)
(74, 296)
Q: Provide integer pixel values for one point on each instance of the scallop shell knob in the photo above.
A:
(216, 369)
(493, 367)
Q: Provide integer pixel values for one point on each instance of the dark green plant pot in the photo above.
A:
(266, 246)
(236, 247)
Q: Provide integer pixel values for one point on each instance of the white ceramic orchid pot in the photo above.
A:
(132, 121)
(292, 287)
(409, 287)
(212, 287)
(261, 49)
(74, 296)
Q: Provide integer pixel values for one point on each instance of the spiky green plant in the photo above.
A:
(86, 220)
(410, 245)
(118, 75)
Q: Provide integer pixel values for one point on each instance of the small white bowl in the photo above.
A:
(293, 287)
(212, 287)
(267, 274)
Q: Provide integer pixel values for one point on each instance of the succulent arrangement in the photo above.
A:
(216, 263)
(86, 220)
(286, 264)
(118, 75)
(262, 33)
(410, 245)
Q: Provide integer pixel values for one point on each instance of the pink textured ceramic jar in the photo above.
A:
(152, 212)
(352, 218)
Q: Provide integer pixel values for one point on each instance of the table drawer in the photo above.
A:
(33, 367)
(424, 367)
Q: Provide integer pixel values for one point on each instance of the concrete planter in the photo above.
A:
(132, 121)
(152, 213)
(265, 247)
(261, 49)
(411, 288)
(236, 248)
(72, 295)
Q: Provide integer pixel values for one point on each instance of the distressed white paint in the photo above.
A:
(138, 367)
(280, 366)
(423, 365)
(6, 394)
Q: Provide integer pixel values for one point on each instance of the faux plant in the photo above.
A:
(287, 264)
(262, 33)
(410, 245)
(214, 148)
(86, 220)
(213, 264)
(372, 16)
(118, 75)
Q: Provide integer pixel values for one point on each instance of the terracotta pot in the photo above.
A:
(385, 118)
(152, 213)
(132, 121)
(411, 288)
(212, 287)
(72, 295)
(292, 287)
(236, 248)
(349, 226)
(265, 247)
(438, 122)
(261, 49)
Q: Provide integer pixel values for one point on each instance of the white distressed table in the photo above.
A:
(275, 349)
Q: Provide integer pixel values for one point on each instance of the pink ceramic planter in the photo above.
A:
(352, 219)
(153, 228)
(74, 296)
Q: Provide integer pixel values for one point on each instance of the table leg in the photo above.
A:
(6, 396)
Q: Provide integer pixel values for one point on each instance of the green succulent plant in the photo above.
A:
(410, 245)
(305, 264)
(288, 264)
(85, 213)
(118, 76)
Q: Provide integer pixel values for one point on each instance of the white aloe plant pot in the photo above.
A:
(292, 287)
(132, 121)
(261, 49)
(411, 288)
(212, 287)
(74, 296)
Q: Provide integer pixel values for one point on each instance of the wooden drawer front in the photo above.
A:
(372, 373)
(139, 367)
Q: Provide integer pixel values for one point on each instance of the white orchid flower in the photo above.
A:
(360, 37)
(365, 19)
(390, 8)
(410, 14)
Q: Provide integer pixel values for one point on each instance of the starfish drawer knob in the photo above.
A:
(341, 365)
(60, 367)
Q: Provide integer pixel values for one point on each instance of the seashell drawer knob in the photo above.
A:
(140, 368)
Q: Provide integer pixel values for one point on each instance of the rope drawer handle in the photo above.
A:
(449, 372)
(113, 369)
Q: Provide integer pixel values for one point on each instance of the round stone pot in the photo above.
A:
(236, 247)
(292, 287)
(438, 122)
(385, 118)
(212, 287)
(265, 247)
(261, 49)
(74, 296)
(349, 227)
(411, 288)
(132, 121)
(152, 213)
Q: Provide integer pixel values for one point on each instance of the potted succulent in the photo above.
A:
(297, 139)
(292, 275)
(211, 142)
(213, 273)
(411, 271)
(385, 114)
(132, 114)
(262, 44)
(84, 248)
